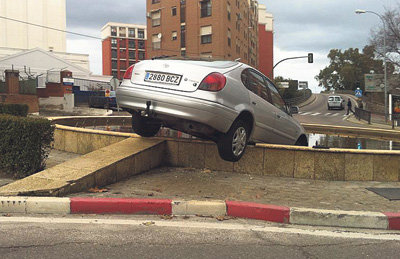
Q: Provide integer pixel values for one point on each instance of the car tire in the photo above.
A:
(143, 126)
(232, 145)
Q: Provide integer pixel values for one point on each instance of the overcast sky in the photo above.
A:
(301, 26)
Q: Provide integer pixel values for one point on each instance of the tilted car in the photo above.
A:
(335, 102)
(224, 101)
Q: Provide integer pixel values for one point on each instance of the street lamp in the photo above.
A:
(359, 11)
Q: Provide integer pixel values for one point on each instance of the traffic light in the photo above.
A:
(310, 58)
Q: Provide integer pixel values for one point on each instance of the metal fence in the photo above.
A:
(362, 114)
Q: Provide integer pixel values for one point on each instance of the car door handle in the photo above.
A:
(254, 103)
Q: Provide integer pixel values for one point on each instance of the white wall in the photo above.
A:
(51, 13)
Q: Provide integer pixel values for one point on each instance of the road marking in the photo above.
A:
(327, 114)
(334, 233)
(306, 113)
(315, 114)
(335, 114)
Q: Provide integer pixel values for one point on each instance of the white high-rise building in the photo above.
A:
(49, 13)
(17, 32)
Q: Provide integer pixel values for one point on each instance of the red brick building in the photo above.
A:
(265, 42)
(218, 29)
(123, 45)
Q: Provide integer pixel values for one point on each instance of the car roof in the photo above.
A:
(335, 96)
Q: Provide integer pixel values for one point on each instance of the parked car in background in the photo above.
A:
(335, 102)
(224, 101)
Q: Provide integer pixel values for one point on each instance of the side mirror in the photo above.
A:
(294, 109)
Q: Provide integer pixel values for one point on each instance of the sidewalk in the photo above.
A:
(196, 184)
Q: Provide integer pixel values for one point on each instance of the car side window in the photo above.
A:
(258, 86)
(277, 100)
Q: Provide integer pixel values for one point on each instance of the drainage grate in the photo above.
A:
(391, 194)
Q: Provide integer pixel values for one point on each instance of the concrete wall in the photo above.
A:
(273, 160)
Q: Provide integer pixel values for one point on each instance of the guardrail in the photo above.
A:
(362, 115)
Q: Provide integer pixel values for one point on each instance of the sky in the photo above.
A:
(300, 27)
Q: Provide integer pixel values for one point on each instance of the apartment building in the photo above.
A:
(223, 29)
(123, 45)
(265, 41)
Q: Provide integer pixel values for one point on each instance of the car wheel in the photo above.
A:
(145, 127)
(231, 146)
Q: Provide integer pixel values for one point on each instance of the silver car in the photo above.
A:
(225, 101)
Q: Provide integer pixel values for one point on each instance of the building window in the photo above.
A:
(183, 36)
(173, 11)
(131, 44)
(174, 35)
(142, 55)
(155, 1)
(156, 41)
(156, 18)
(122, 44)
(238, 49)
(131, 33)
(229, 11)
(229, 37)
(122, 31)
(141, 44)
(183, 53)
(141, 34)
(115, 74)
(113, 31)
(206, 34)
(131, 62)
(114, 53)
(132, 54)
(122, 54)
(183, 11)
(114, 43)
(114, 64)
(205, 6)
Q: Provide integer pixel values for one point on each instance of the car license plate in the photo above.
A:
(163, 78)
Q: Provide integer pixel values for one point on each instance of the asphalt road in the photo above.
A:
(317, 113)
(152, 237)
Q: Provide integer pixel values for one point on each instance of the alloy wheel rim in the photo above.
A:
(239, 141)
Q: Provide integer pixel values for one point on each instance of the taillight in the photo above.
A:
(128, 73)
(214, 82)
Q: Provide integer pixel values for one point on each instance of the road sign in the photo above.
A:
(374, 83)
(358, 93)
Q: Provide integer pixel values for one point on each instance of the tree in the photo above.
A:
(347, 68)
(392, 21)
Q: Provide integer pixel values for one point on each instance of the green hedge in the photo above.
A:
(24, 144)
(14, 109)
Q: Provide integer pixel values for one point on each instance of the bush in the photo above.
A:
(14, 109)
(24, 144)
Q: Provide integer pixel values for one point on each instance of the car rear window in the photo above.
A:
(337, 99)
(330, 99)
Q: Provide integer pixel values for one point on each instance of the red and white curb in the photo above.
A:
(272, 213)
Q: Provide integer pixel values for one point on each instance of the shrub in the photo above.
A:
(24, 144)
(14, 109)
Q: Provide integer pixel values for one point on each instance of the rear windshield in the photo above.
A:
(221, 64)
(330, 99)
(337, 99)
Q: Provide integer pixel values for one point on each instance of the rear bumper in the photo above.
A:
(206, 112)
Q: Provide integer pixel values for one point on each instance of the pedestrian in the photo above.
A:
(349, 107)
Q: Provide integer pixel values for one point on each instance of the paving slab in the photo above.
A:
(203, 184)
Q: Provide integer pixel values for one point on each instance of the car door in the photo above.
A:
(285, 127)
(263, 115)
